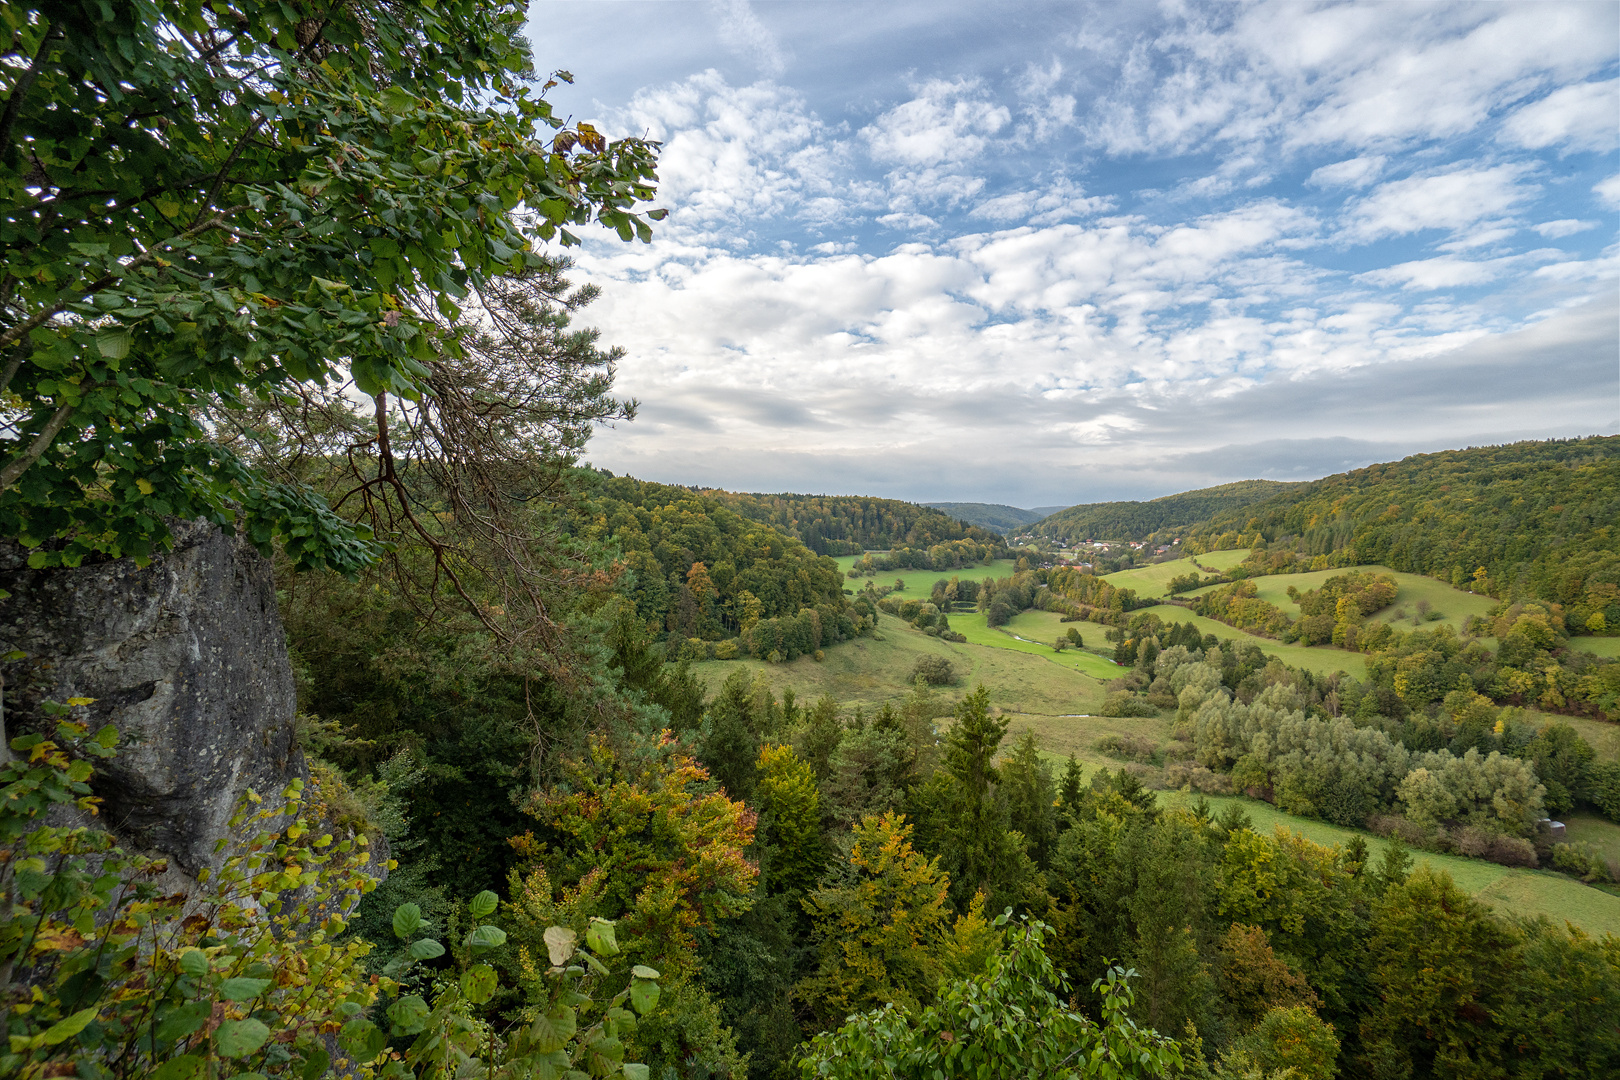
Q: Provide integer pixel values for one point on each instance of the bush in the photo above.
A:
(1480, 843)
(934, 670)
(1122, 704)
(726, 650)
(1584, 861)
(1127, 747)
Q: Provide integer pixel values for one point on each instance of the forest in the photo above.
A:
(295, 271)
(1149, 519)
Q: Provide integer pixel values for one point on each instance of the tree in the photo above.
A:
(1446, 972)
(981, 849)
(302, 206)
(790, 820)
(881, 924)
(1011, 1022)
(1031, 797)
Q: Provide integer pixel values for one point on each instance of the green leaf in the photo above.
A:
(552, 1030)
(479, 983)
(243, 989)
(362, 1039)
(425, 949)
(407, 920)
(181, 1022)
(181, 1068)
(601, 939)
(642, 971)
(316, 1064)
(643, 995)
(113, 342)
(490, 937)
(67, 1027)
(239, 1038)
(635, 1070)
(483, 905)
(560, 943)
(408, 1015)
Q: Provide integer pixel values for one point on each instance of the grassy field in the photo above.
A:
(1321, 659)
(1034, 632)
(870, 671)
(1591, 829)
(1509, 891)
(1455, 604)
(1222, 560)
(1597, 646)
(921, 582)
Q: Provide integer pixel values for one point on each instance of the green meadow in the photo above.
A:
(922, 581)
(1453, 604)
(1597, 646)
(1154, 580)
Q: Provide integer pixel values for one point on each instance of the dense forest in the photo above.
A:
(699, 571)
(993, 516)
(852, 524)
(1531, 520)
(284, 268)
(1140, 520)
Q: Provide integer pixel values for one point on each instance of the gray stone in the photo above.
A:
(185, 656)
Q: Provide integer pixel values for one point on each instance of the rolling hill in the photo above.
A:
(993, 516)
(1138, 520)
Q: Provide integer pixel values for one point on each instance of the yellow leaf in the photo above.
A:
(144, 484)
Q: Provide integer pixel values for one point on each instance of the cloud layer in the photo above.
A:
(1131, 253)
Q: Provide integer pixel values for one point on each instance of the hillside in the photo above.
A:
(1539, 517)
(851, 524)
(992, 516)
(1137, 520)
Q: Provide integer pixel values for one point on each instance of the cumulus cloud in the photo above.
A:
(743, 33)
(1585, 116)
(1452, 200)
(1356, 172)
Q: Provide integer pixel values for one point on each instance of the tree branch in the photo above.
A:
(10, 474)
(20, 91)
(16, 333)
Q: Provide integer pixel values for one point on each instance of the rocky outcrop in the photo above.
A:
(185, 656)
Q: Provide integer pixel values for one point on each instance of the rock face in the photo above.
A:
(186, 657)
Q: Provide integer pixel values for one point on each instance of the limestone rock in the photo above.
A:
(186, 656)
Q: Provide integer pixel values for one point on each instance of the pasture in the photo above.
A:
(1597, 646)
(1322, 659)
(1153, 581)
(870, 671)
(1411, 589)
(1034, 632)
(921, 582)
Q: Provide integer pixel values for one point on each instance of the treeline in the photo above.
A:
(850, 524)
(947, 555)
(1532, 520)
(1532, 665)
(1139, 520)
(1364, 753)
(700, 571)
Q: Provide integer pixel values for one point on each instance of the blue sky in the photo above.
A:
(1042, 254)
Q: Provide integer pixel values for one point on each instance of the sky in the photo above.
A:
(1049, 253)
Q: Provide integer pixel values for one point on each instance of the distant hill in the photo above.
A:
(1138, 520)
(993, 516)
(1542, 518)
(851, 524)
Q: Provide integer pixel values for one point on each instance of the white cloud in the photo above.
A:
(1445, 272)
(1564, 227)
(1061, 201)
(1608, 191)
(1357, 172)
(743, 33)
(1451, 200)
(1585, 116)
(947, 123)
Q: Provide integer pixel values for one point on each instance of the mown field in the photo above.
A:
(1597, 646)
(1453, 604)
(1324, 660)
(922, 581)
(870, 671)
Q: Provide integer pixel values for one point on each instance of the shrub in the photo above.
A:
(1123, 704)
(1584, 861)
(1127, 747)
(934, 670)
(726, 650)
(1479, 843)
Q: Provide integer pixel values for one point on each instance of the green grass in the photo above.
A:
(1454, 604)
(870, 671)
(1601, 833)
(1151, 581)
(921, 582)
(1222, 560)
(1323, 660)
(1597, 646)
(1510, 891)
(1042, 628)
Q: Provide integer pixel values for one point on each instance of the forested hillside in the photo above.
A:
(700, 570)
(1138, 520)
(1532, 520)
(851, 524)
(992, 516)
